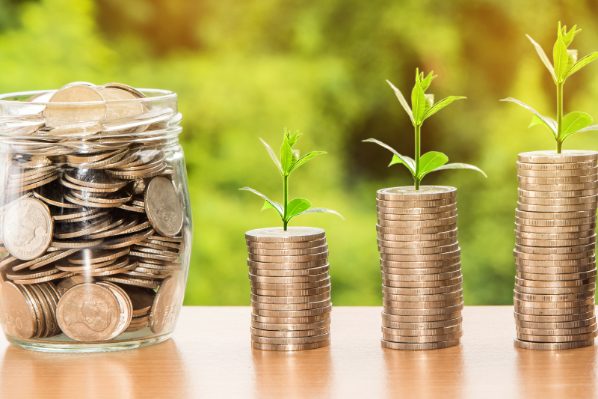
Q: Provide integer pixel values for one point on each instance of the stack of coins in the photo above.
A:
(290, 288)
(421, 267)
(98, 221)
(554, 253)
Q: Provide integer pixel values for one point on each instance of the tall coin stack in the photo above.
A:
(290, 288)
(421, 267)
(554, 253)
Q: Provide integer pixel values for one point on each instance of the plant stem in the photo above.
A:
(559, 116)
(285, 197)
(417, 154)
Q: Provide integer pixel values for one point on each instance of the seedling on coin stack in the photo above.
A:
(555, 224)
(288, 269)
(417, 239)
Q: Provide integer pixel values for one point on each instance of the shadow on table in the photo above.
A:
(300, 374)
(557, 374)
(422, 373)
(146, 372)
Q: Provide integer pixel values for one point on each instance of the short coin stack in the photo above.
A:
(290, 288)
(421, 267)
(554, 253)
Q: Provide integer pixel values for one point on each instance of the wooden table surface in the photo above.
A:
(209, 356)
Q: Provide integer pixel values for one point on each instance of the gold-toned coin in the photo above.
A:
(290, 299)
(292, 313)
(417, 244)
(553, 326)
(558, 180)
(421, 291)
(127, 280)
(556, 167)
(291, 293)
(419, 251)
(18, 312)
(411, 224)
(555, 222)
(551, 157)
(554, 318)
(553, 257)
(422, 277)
(553, 312)
(411, 231)
(418, 346)
(289, 334)
(423, 312)
(286, 245)
(419, 265)
(287, 280)
(555, 250)
(422, 305)
(256, 304)
(418, 237)
(293, 234)
(559, 201)
(421, 284)
(290, 320)
(559, 332)
(398, 333)
(290, 341)
(289, 252)
(556, 338)
(417, 211)
(289, 273)
(430, 270)
(556, 194)
(290, 327)
(163, 207)
(554, 291)
(555, 230)
(44, 260)
(556, 270)
(423, 298)
(557, 277)
(420, 258)
(394, 322)
(554, 215)
(416, 204)
(288, 259)
(552, 346)
(422, 338)
(548, 208)
(401, 318)
(27, 228)
(287, 348)
(424, 193)
(553, 284)
(416, 217)
(291, 286)
(554, 236)
(558, 187)
(287, 266)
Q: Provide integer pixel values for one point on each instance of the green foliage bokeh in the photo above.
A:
(248, 69)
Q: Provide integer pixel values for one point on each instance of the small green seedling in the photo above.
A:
(288, 162)
(422, 107)
(565, 65)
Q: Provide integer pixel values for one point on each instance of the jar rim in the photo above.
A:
(152, 95)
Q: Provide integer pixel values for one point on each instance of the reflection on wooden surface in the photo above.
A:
(423, 374)
(146, 372)
(557, 374)
(300, 374)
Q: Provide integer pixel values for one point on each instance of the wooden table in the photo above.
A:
(210, 357)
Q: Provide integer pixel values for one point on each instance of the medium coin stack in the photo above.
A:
(290, 288)
(92, 230)
(554, 253)
(421, 267)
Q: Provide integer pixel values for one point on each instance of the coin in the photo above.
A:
(289, 273)
(417, 211)
(416, 217)
(554, 318)
(88, 312)
(563, 325)
(61, 111)
(556, 193)
(416, 204)
(289, 252)
(255, 304)
(413, 224)
(549, 208)
(286, 245)
(551, 157)
(421, 291)
(554, 291)
(424, 193)
(558, 201)
(27, 228)
(558, 180)
(555, 222)
(290, 327)
(288, 259)
(292, 313)
(290, 320)
(287, 266)
(421, 326)
(420, 258)
(419, 251)
(418, 237)
(294, 347)
(18, 312)
(453, 268)
(418, 230)
(552, 346)
(163, 207)
(422, 338)
(289, 334)
(293, 234)
(418, 346)
(290, 299)
(416, 244)
(555, 167)
(290, 341)
(556, 338)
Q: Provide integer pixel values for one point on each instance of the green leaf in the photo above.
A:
(286, 157)
(574, 122)
(275, 205)
(592, 128)
(321, 210)
(293, 138)
(418, 104)
(430, 161)
(268, 205)
(560, 56)
(272, 155)
(441, 104)
(297, 206)
(459, 166)
(548, 122)
(425, 83)
(295, 156)
(402, 101)
(543, 57)
(306, 158)
(571, 60)
(405, 160)
(582, 62)
(429, 103)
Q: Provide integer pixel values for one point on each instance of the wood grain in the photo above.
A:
(210, 357)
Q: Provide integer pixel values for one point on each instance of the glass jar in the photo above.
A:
(95, 217)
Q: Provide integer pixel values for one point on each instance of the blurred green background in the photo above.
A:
(248, 69)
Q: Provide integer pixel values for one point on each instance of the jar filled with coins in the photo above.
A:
(95, 217)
